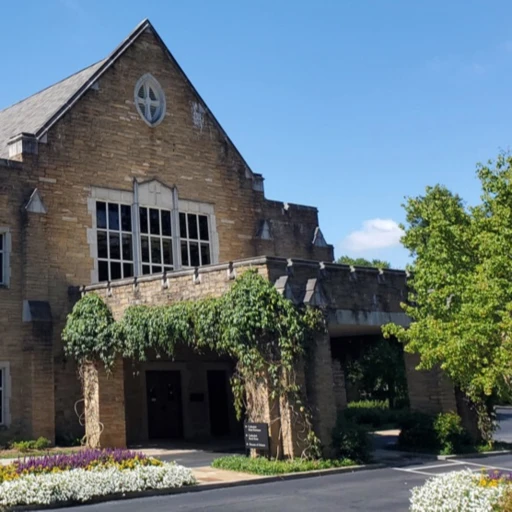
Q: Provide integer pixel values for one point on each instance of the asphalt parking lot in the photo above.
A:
(383, 490)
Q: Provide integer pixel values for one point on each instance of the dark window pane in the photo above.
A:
(203, 227)
(205, 254)
(101, 215)
(143, 220)
(154, 221)
(127, 247)
(183, 225)
(194, 254)
(102, 244)
(156, 270)
(102, 271)
(167, 248)
(126, 218)
(192, 226)
(115, 248)
(166, 223)
(146, 269)
(115, 270)
(184, 254)
(113, 216)
(1, 267)
(144, 244)
(156, 255)
(1, 242)
(168, 268)
(127, 270)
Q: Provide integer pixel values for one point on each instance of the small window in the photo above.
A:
(2, 399)
(2, 258)
(195, 240)
(150, 100)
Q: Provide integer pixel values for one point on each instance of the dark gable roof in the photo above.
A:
(38, 113)
(31, 114)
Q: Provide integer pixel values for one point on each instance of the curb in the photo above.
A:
(432, 456)
(197, 488)
(476, 455)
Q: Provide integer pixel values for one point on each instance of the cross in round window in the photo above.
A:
(150, 100)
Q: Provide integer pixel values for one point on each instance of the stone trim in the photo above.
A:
(6, 393)
(5, 232)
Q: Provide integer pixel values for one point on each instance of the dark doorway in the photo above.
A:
(218, 402)
(165, 419)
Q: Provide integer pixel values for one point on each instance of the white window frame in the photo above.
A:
(149, 195)
(5, 391)
(6, 256)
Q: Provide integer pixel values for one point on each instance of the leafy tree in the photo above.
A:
(460, 299)
(380, 371)
(363, 262)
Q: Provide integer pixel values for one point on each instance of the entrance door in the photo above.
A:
(165, 419)
(218, 402)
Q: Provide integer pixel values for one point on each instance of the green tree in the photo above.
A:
(363, 262)
(460, 299)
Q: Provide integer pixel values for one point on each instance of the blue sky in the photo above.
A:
(348, 105)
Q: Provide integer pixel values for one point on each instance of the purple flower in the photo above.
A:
(82, 459)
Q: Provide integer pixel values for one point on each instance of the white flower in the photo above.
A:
(82, 485)
(455, 492)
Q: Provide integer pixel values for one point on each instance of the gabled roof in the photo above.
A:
(38, 113)
(31, 114)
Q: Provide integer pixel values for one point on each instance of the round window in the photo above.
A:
(150, 100)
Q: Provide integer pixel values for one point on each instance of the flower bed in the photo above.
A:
(85, 475)
(461, 491)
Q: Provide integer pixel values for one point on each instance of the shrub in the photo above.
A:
(417, 433)
(351, 441)
(374, 413)
(42, 443)
(451, 435)
(26, 446)
(443, 433)
(262, 466)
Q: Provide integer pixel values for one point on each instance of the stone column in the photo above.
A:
(105, 424)
(430, 391)
(320, 390)
(263, 408)
(340, 390)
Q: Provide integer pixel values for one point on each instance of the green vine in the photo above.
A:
(265, 333)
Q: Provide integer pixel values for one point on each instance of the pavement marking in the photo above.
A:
(450, 465)
(414, 471)
(439, 465)
(483, 466)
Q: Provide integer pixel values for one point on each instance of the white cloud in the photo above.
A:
(374, 234)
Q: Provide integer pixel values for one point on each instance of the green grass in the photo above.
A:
(262, 466)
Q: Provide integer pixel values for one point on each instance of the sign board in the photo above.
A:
(256, 436)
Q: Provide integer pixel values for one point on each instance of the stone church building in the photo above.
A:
(120, 179)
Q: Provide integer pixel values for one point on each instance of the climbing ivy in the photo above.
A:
(265, 333)
(90, 332)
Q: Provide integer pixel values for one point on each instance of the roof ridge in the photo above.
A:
(52, 85)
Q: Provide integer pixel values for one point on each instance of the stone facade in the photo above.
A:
(84, 146)
(97, 143)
